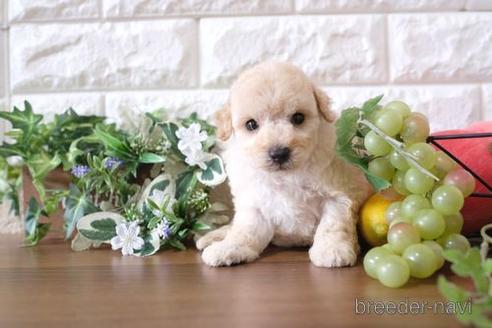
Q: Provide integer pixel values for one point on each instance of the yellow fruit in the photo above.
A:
(372, 223)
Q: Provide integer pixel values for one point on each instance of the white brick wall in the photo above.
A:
(114, 56)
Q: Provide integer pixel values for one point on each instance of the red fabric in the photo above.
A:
(477, 155)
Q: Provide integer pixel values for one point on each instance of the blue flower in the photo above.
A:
(163, 229)
(112, 162)
(80, 170)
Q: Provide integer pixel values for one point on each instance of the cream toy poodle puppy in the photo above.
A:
(289, 188)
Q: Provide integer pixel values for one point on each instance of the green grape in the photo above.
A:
(415, 128)
(398, 183)
(417, 182)
(430, 223)
(454, 223)
(390, 194)
(461, 179)
(393, 271)
(421, 260)
(424, 153)
(393, 212)
(390, 123)
(375, 114)
(402, 235)
(437, 249)
(448, 200)
(389, 248)
(444, 163)
(412, 204)
(438, 173)
(376, 145)
(382, 168)
(455, 241)
(398, 161)
(400, 107)
(401, 219)
(372, 259)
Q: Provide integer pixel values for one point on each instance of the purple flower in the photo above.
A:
(163, 229)
(112, 162)
(80, 170)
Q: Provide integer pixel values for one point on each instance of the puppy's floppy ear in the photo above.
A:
(324, 104)
(223, 121)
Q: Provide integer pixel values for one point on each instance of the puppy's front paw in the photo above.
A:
(212, 237)
(225, 254)
(334, 254)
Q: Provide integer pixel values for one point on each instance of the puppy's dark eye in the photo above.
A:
(297, 118)
(251, 125)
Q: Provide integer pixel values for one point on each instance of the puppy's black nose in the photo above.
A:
(279, 155)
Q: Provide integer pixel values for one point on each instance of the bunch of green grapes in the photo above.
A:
(432, 188)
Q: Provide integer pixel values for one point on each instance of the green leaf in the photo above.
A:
(41, 231)
(26, 120)
(97, 234)
(99, 226)
(184, 183)
(151, 158)
(103, 229)
(77, 205)
(39, 166)
(104, 225)
(468, 265)
(214, 174)
(52, 202)
(34, 230)
(163, 182)
(200, 226)
(152, 243)
(377, 183)
(451, 291)
(78, 148)
(176, 244)
(33, 213)
(7, 150)
(169, 130)
(346, 131)
(371, 105)
(115, 142)
(81, 243)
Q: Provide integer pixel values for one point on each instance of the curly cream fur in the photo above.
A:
(311, 201)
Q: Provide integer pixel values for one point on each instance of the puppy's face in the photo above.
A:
(275, 113)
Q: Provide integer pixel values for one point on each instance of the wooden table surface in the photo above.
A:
(51, 286)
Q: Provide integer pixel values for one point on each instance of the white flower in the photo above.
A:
(191, 138)
(15, 161)
(127, 238)
(197, 158)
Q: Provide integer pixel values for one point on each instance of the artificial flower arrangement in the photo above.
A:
(106, 203)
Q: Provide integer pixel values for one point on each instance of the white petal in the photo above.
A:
(180, 132)
(203, 136)
(202, 165)
(195, 128)
(137, 243)
(182, 145)
(127, 250)
(133, 229)
(121, 230)
(116, 243)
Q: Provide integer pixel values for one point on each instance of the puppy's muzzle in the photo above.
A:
(279, 155)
